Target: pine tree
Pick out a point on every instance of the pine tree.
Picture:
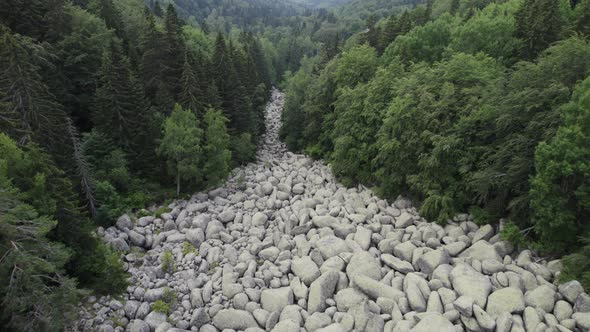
(538, 24)
(373, 32)
(112, 17)
(582, 23)
(217, 154)
(36, 295)
(151, 60)
(388, 34)
(191, 96)
(33, 113)
(454, 7)
(158, 9)
(120, 105)
(173, 51)
(181, 145)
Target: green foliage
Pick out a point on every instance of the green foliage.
(106, 276)
(181, 145)
(425, 43)
(577, 265)
(188, 248)
(243, 149)
(491, 31)
(36, 294)
(168, 262)
(169, 296)
(293, 116)
(217, 150)
(164, 209)
(538, 24)
(161, 306)
(560, 190)
(356, 66)
(438, 207)
(513, 234)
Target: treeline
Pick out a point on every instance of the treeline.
(475, 106)
(103, 106)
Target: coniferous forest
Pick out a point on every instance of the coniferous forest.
(113, 107)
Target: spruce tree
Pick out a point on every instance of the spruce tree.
(217, 153)
(454, 7)
(538, 24)
(191, 96)
(582, 23)
(120, 108)
(33, 113)
(36, 294)
(150, 65)
(173, 51)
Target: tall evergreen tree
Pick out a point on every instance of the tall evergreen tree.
(191, 97)
(173, 51)
(582, 23)
(120, 107)
(151, 66)
(538, 24)
(32, 112)
(454, 7)
(112, 17)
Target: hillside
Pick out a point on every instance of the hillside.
(237, 165)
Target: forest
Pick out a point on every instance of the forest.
(112, 106)
(478, 106)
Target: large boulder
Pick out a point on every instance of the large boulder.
(234, 319)
(276, 299)
(434, 322)
(397, 264)
(404, 220)
(542, 297)
(363, 263)
(154, 319)
(375, 289)
(432, 259)
(322, 289)
(331, 246)
(466, 281)
(508, 299)
(481, 251)
(305, 269)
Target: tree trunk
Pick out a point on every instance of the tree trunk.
(178, 184)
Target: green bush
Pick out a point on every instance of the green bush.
(161, 306)
(188, 247)
(243, 149)
(168, 263)
(577, 265)
(161, 210)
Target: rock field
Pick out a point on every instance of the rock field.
(282, 246)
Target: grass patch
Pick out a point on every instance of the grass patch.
(188, 248)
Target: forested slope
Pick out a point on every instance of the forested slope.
(111, 106)
(463, 106)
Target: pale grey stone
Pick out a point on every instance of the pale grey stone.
(234, 319)
(276, 299)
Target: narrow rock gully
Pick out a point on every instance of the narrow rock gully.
(282, 246)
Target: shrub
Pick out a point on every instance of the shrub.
(168, 263)
(161, 306)
(243, 149)
(188, 247)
